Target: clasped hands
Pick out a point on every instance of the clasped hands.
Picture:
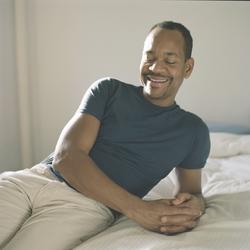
(171, 216)
(193, 207)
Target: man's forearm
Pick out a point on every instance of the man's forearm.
(82, 173)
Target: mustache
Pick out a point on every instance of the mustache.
(153, 74)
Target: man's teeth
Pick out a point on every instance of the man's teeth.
(163, 80)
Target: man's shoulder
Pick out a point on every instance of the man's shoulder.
(110, 81)
(111, 86)
(194, 121)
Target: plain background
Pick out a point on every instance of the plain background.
(50, 57)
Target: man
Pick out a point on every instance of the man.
(120, 143)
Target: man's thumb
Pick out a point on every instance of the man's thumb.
(180, 198)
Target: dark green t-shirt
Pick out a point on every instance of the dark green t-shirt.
(139, 143)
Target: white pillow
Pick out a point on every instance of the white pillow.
(228, 144)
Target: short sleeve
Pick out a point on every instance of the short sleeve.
(96, 97)
(199, 150)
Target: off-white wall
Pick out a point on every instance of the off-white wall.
(9, 137)
(74, 42)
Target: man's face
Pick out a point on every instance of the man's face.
(163, 66)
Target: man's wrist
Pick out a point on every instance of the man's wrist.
(202, 201)
(131, 207)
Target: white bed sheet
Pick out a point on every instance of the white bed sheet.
(226, 223)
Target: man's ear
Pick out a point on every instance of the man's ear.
(189, 65)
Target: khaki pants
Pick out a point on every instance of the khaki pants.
(38, 212)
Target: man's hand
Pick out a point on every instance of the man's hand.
(164, 217)
(192, 201)
(186, 200)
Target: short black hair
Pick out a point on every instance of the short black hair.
(170, 25)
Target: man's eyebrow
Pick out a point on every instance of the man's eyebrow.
(171, 54)
(168, 53)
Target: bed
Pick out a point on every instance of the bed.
(226, 223)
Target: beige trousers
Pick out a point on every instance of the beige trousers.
(38, 212)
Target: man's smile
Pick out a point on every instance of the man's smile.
(157, 81)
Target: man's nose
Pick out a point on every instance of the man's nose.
(157, 67)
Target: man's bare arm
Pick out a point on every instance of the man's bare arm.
(190, 183)
(189, 196)
(73, 162)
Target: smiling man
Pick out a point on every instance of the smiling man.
(166, 61)
(120, 143)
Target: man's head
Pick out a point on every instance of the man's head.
(188, 40)
(166, 61)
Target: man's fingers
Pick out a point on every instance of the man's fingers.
(183, 211)
(171, 230)
(178, 220)
(174, 229)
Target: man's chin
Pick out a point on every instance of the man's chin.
(154, 96)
